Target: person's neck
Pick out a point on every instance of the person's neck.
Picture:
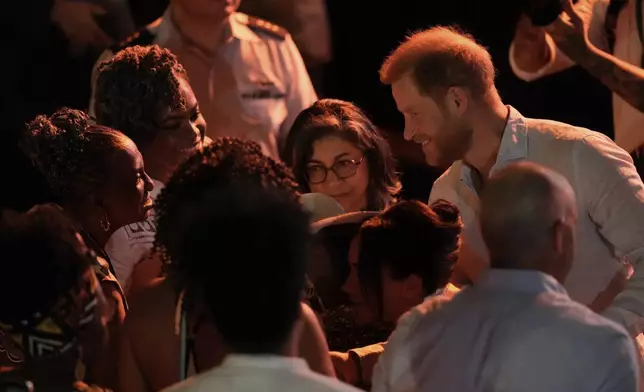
(99, 236)
(289, 349)
(292, 347)
(207, 35)
(92, 227)
(489, 121)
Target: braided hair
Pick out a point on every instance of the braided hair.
(134, 87)
(72, 154)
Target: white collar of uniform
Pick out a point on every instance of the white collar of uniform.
(237, 28)
(268, 362)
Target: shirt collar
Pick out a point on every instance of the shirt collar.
(236, 28)
(239, 28)
(514, 142)
(513, 147)
(526, 281)
(271, 362)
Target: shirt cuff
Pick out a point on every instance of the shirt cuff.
(531, 76)
(367, 357)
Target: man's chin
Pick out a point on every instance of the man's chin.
(438, 163)
(431, 161)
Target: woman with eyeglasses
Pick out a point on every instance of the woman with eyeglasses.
(334, 149)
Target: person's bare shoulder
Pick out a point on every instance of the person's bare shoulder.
(151, 307)
(150, 330)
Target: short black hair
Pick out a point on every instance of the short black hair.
(334, 117)
(43, 258)
(71, 153)
(134, 87)
(245, 249)
(410, 238)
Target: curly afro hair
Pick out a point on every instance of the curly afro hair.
(72, 154)
(225, 162)
(135, 87)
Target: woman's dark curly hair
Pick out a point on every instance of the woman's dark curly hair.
(410, 238)
(135, 87)
(224, 162)
(333, 117)
(71, 153)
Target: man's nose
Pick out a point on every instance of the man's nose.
(408, 133)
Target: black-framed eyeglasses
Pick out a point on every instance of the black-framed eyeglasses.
(343, 169)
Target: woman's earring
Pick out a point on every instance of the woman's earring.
(105, 222)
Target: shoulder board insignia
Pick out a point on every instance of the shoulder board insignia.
(143, 37)
(266, 27)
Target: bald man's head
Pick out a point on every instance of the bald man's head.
(528, 217)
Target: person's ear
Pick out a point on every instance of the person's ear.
(456, 100)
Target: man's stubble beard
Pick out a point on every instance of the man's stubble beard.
(454, 145)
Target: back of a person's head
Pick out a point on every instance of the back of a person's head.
(135, 88)
(72, 154)
(224, 162)
(244, 248)
(411, 238)
(344, 120)
(439, 58)
(521, 206)
(43, 261)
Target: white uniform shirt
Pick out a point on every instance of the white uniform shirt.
(127, 245)
(511, 331)
(628, 121)
(252, 88)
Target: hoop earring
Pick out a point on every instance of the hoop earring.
(105, 223)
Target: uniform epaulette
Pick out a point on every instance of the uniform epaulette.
(143, 37)
(266, 27)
